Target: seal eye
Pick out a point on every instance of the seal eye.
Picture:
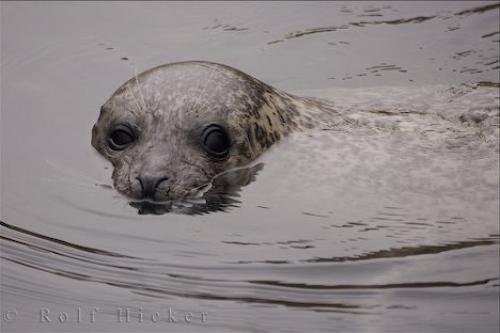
(215, 141)
(121, 137)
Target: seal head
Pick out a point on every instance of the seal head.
(170, 130)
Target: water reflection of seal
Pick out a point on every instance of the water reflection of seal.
(171, 129)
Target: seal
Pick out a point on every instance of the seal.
(171, 129)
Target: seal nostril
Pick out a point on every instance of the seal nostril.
(149, 184)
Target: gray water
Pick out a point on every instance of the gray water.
(391, 224)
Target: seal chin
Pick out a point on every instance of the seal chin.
(181, 194)
(148, 207)
(161, 205)
(170, 195)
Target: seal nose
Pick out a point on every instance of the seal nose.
(149, 184)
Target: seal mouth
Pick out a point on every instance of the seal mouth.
(193, 197)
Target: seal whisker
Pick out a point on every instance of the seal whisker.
(139, 87)
(197, 101)
(136, 101)
(209, 178)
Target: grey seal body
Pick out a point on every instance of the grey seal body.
(153, 129)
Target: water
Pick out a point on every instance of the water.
(391, 225)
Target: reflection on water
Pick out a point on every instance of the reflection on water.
(385, 223)
(89, 264)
